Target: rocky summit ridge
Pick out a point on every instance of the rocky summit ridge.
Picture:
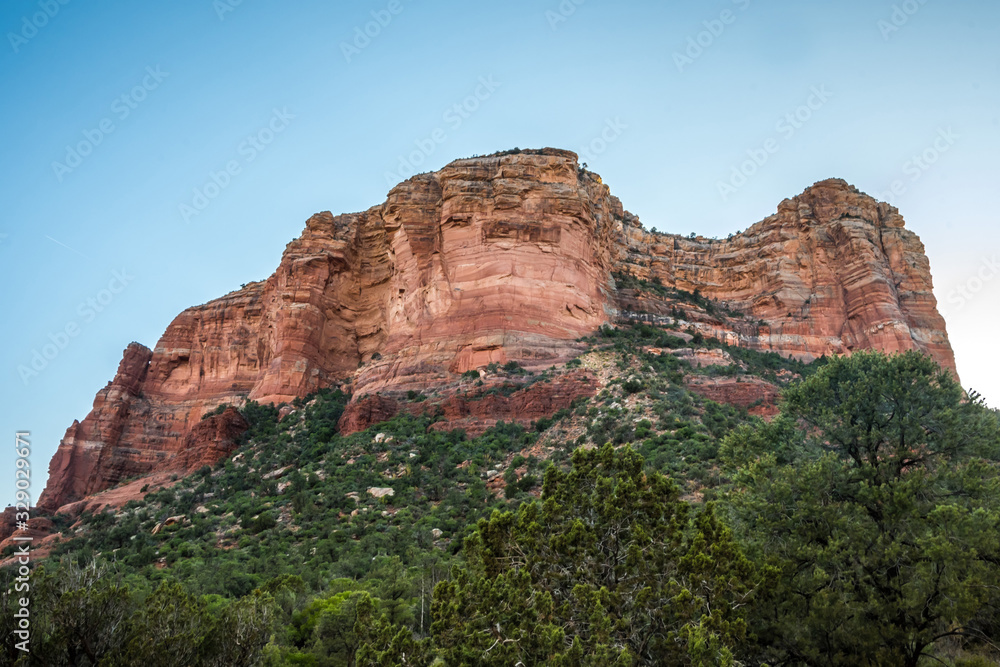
(508, 257)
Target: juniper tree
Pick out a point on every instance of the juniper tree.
(876, 496)
(610, 567)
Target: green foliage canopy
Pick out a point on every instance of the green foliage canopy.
(882, 515)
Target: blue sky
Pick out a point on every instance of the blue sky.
(116, 115)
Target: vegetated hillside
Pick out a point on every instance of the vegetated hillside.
(391, 505)
(410, 542)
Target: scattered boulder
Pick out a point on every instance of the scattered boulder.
(180, 519)
(275, 474)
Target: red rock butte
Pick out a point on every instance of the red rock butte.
(490, 259)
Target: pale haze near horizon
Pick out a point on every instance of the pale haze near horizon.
(879, 93)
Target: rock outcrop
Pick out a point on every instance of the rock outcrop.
(127, 435)
(832, 271)
(367, 411)
(491, 259)
(759, 396)
(479, 409)
(477, 413)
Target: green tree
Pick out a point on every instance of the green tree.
(79, 616)
(881, 515)
(85, 616)
(383, 643)
(169, 630)
(241, 632)
(323, 631)
(608, 569)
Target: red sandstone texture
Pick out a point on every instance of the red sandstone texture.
(831, 272)
(213, 439)
(506, 257)
(475, 414)
(35, 528)
(118, 496)
(745, 392)
(118, 441)
(363, 413)
(477, 411)
(39, 529)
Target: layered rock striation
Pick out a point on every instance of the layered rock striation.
(832, 271)
(476, 410)
(492, 259)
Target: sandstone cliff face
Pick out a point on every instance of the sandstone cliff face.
(89, 450)
(507, 257)
(128, 435)
(832, 271)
